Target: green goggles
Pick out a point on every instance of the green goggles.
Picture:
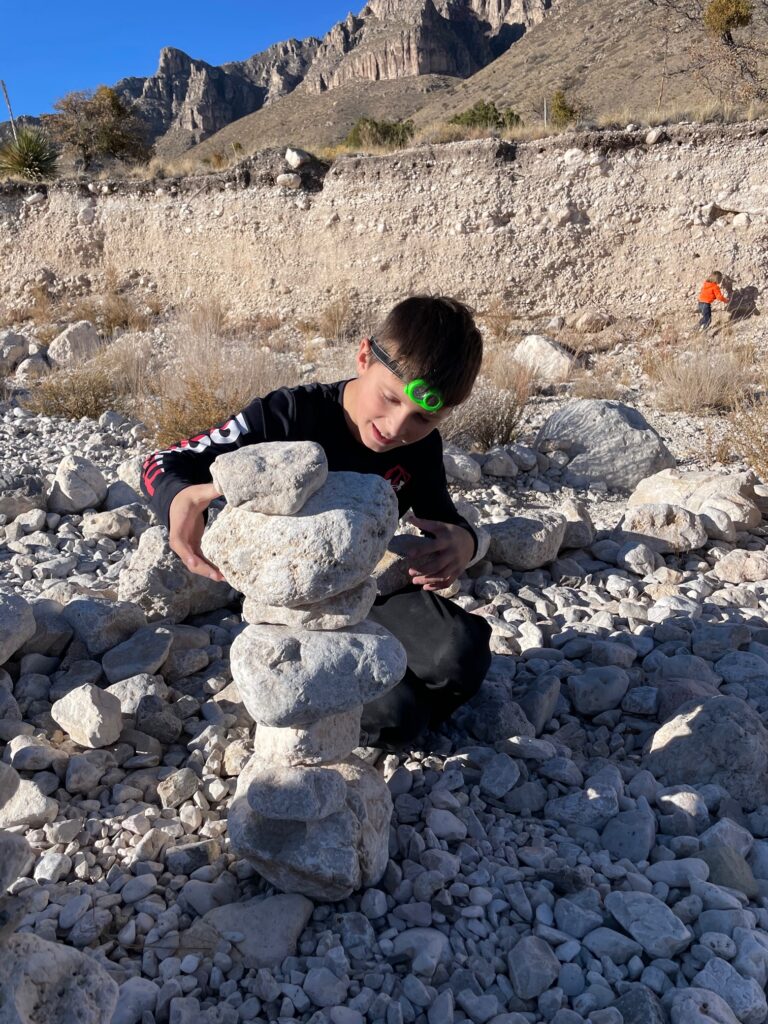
(419, 391)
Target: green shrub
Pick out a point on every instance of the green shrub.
(98, 124)
(561, 111)
(367, 132)
(487, 115)
(30, 155)
(721, 17)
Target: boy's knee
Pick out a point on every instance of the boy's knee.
(466, 655)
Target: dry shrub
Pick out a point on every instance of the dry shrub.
(113, 311)
(747, 435)
(37, 306)
(497, 320)
(592, 383)
(336, 322)
(705, 377)
(491, 415)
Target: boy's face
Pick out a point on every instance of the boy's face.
(382, 415)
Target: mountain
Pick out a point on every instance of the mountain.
(188, 100)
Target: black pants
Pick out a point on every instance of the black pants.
(705, 314)
(448, 657)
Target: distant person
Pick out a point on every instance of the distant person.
(710, 292)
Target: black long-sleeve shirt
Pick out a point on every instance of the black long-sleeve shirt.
(312, 412)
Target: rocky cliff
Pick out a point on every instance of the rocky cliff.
(187, 100)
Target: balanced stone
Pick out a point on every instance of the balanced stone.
(298, 793)
(276, 477)
(323, 742)
(330, 546)
(327, 859)
(337, 612)
(295, 678)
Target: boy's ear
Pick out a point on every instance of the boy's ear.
(364, 357)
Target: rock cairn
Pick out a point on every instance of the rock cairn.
(301, 544)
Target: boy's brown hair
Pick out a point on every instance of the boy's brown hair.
(435, 338)
(715, 277)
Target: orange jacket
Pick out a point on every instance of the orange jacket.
(711, 293)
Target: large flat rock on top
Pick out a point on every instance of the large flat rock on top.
(274, 477)
(330, 546)
(607, 442)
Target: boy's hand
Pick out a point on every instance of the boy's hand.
(437, 561)
(186, 525)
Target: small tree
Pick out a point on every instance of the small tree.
(721, 17)
(367, 131)
(485, 114)
(561, 111)
(31, 155)
(98, 124)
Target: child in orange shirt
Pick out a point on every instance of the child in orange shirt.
(710, 292)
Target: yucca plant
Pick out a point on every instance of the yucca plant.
(31, 155)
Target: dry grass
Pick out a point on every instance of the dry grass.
(114, 311)
(702, 113)
(497, 319)
(592, 383)
(713, 373)
(491, 415)
(746, 436)
(336, 322)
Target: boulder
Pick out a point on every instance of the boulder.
(323, 742)
(295, 677)
(15, 855)
(295, 793)
(721, 740)
(740, 566)
(324, 860)
(330, 546)
(275, 478)
(13, 349)
(17, 625)
(544, 357)
(650, 922)
(78, 485)
(663, 528)
(527, 541)
(606, 442)
(75, 344)
(697, 491)
(158, 582)
(49, 983)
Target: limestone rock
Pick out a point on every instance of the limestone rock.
(78, 484)
(323, 742)
(101, 624)
(740, 566)
(17, 625)
(295, 794)
(270, 927)
(337, 612)
(21, 492)
(327, 859)
(291, 677)
(13, 349)
(48, 983)
(91, 716)
(663, 528)
(275, 478)
(533, 967)
(158, 582)
(579, 531)
(701, 1005)
(544, 357)
(650, 922)
(527, 541)
(142, 653)
(700, 491)
(15, 854)
(330, 546)
(719, 741)
(607, 442)
(75, 344)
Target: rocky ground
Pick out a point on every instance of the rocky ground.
(586, 841)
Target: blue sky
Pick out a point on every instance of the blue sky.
(55, 46)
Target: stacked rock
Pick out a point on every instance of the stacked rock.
(301, 544)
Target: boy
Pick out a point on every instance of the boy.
(422, 361)
(710, 292)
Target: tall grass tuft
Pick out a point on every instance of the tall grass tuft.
(30, 155)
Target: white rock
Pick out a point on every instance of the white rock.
(337, 612)
(544, 357)
(75, 344)
(323, 742)
(78, 485)
(90, 715)
(275, 478)
(17, 625)
(527, 541)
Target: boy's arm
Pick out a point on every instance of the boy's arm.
(177, 480)
(453, 542)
